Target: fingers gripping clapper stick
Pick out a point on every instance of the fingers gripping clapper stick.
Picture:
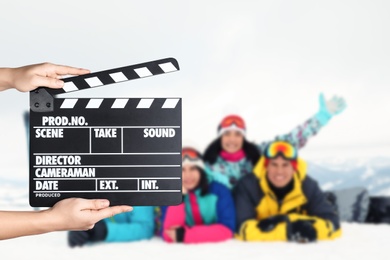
(127, 150)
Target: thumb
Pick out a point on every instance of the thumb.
(322, 99)
(96, 204)
(112, 211)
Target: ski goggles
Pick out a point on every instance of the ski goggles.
(281, 148)
(232, 120)
(231, 123)
(191, 157)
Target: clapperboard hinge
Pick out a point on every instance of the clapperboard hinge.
(42, 99)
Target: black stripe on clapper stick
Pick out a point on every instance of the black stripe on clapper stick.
(42, 99)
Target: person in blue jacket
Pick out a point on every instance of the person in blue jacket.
(125, 227)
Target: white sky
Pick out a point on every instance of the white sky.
(265, 60)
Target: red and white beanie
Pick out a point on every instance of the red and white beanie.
(232, 122)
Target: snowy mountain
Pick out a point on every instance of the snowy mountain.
(333, 174)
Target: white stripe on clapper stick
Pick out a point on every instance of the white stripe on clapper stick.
(69, 86)
(118, 77)
(120, 103)
(69, 103)
(170, 103)
(167, 67)
(143, 72)
(93, 82)
(94, 103)
(145, 103)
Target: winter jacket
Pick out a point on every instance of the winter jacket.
(207, 218)
(131, 226)
(228, 173)
(256, 201)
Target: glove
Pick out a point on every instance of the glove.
(302, 231)
(180, 233)
(80, 238)
(77, 238)
(329, 108)
(98, 232)
(268, 224)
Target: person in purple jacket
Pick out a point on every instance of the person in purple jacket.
(207, 213)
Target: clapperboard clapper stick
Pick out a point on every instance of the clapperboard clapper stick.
(127, 150)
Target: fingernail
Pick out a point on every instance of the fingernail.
(127, 209)
(60, 83)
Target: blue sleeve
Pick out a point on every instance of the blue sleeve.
(135, 225)
(163, 212)
(226, 213)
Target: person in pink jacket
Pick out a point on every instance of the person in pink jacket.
(207, 213)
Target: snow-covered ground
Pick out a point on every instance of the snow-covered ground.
(359, 241)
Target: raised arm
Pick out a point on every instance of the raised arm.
(303, 132)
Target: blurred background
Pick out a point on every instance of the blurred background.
(267, 61)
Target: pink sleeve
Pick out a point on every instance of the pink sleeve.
(207, 233)
(175, 217)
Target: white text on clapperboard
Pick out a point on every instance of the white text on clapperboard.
(65, 166)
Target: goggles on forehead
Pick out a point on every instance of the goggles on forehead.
(281, 148)
(191, 157)
(190, 153)
(233, 120)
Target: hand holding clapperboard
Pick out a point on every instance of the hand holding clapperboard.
(126, 150)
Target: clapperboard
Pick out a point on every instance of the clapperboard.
(127, 150)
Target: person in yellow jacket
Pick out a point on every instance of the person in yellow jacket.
(280, 202)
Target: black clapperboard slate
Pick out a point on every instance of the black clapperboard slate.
(126, 150)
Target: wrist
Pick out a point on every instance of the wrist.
(6, 78)
(43, 222)
(323, 117)
(50, 222)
